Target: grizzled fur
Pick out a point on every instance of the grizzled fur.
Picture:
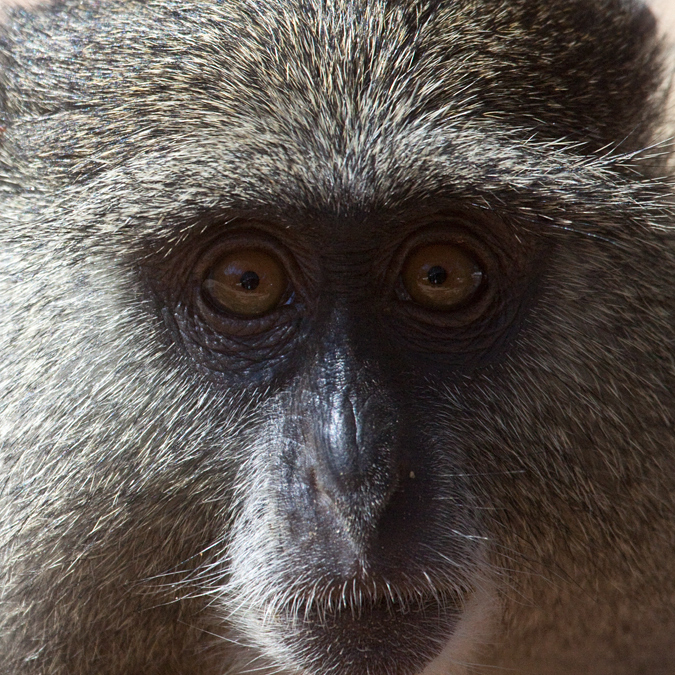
(143, 518)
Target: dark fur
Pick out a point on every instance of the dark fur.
(154, 510)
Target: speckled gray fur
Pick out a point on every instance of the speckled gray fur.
(137, 530)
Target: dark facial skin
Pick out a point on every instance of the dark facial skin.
(353, 368)
(354, 371)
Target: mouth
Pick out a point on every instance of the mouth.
(382, 628)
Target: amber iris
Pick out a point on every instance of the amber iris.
(248, 282)
(441, 276)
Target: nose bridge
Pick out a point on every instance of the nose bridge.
(354, 421)
(348, 435)
(341, 378)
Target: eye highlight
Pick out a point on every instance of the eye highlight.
(249, 282)
(441, 276)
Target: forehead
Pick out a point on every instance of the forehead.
(337, 63)
(329, 106)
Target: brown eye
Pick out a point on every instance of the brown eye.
(441, 276)
(249, 282)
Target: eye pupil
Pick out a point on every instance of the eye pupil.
(437, 275)
(249, 280)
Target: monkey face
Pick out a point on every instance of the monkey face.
(329, 328)
(357, 342)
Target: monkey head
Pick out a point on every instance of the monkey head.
(336, 338)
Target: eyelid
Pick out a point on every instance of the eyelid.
(442, 231)
(295, 304)
(243, 237)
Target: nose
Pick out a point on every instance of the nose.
(352, 446)
(344, 454)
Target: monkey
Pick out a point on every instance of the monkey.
(336, 338)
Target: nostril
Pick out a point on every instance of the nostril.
(355, 499)
(312, 481)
